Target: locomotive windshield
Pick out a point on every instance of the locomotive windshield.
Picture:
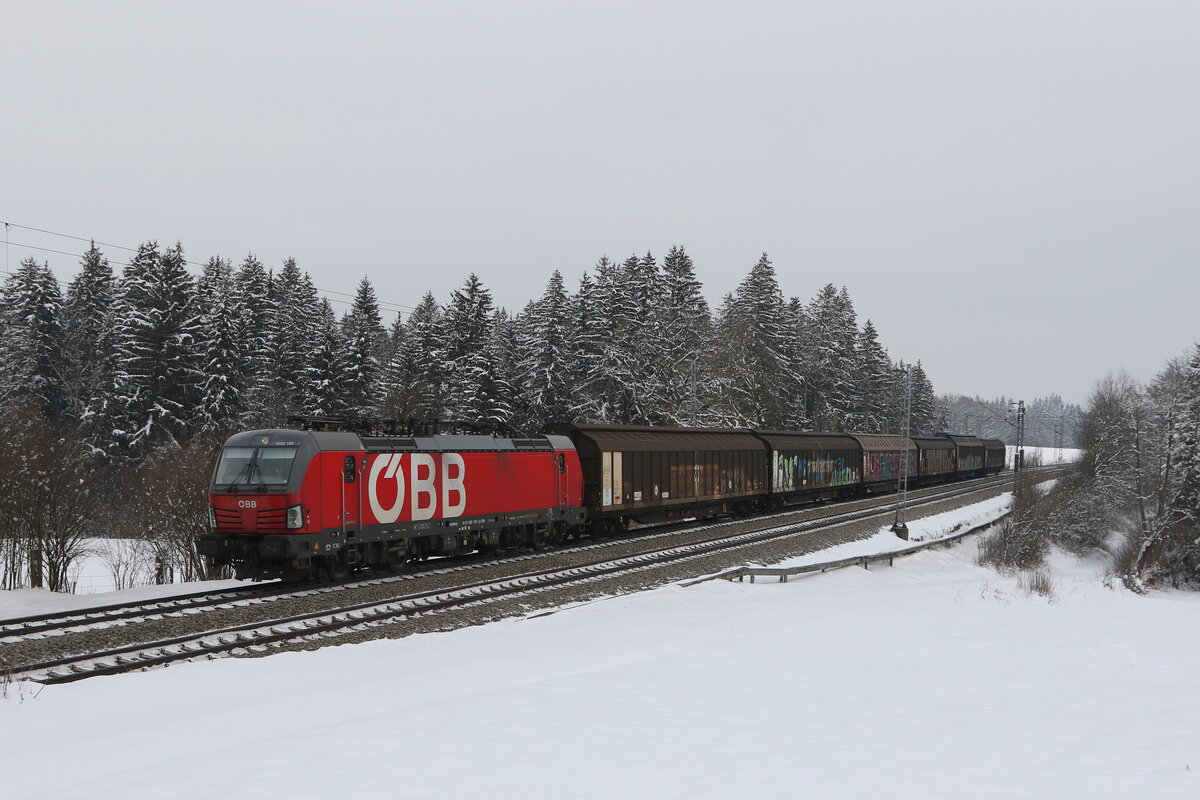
(254, 466)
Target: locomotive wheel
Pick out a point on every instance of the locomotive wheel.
(336, 569)
(397, 560)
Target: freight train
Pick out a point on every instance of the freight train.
(324, 499)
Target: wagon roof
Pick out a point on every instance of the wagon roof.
(644, 438)
(933, 443)
(874, 442)
(964, 441)
(792, 440)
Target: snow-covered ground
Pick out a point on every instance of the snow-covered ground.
(27, 602)
(936, 678)
(94, 586)
(1049, 455)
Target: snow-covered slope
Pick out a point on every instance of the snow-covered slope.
(935, 678)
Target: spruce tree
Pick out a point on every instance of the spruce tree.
(87, 333)
(420, 368)
(389, 371)
(222, 348)
(474, 391)
(586, 337)
(363, 338)
(256, 304)
(31, 347)
(872, 381)
(543, 356)
(753, 336)
(156, 385)
(924, 412)
(289, 340)
(685, 336)
(324, 393)
(830, 346)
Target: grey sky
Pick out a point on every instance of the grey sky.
(1022, 176)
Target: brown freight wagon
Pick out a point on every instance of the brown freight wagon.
(882, 464)
(993, 456)
(649, 474)
(938, 459)
(970, 454)
(812, 466)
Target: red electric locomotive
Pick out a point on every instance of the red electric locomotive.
(300, 504)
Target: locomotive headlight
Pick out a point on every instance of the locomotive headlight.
(295, 518)
(212, 518)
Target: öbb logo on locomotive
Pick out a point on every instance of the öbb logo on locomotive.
(387, 483)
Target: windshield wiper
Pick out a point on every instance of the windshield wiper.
(262, 486)
(252, 464)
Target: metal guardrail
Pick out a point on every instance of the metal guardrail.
(783, 573)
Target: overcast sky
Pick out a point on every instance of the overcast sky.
(1009, 190)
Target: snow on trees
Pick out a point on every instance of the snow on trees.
(291, 337)
(363, 338)
(685, 332)
(475, 388)
(157, 359)
(753, 342)
(543, 344)
(87, 333)
(223, 350)
(31, 348)
(418, 369)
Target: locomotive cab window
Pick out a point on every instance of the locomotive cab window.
(254, 466)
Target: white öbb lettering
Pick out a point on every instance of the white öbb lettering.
(422, 484)
(247, 504)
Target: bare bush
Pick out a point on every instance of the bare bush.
(1037, 582)
(128, 561)
(171, 509)
(46, 492)
(1014, 546)
(1020, 542)
(1124, 559)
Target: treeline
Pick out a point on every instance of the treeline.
(115, 393)
(1049, 422)
(1136, 493)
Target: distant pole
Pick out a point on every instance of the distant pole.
(899, 527)
(1020, 435)
(1058, 438)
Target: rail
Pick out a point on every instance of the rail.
(783, 573)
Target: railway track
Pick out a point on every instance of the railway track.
(21, 629)
(262, 635)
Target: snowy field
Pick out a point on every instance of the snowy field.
(1049, 455)
(934, 678)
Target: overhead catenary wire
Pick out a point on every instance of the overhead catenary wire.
(397, 307)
